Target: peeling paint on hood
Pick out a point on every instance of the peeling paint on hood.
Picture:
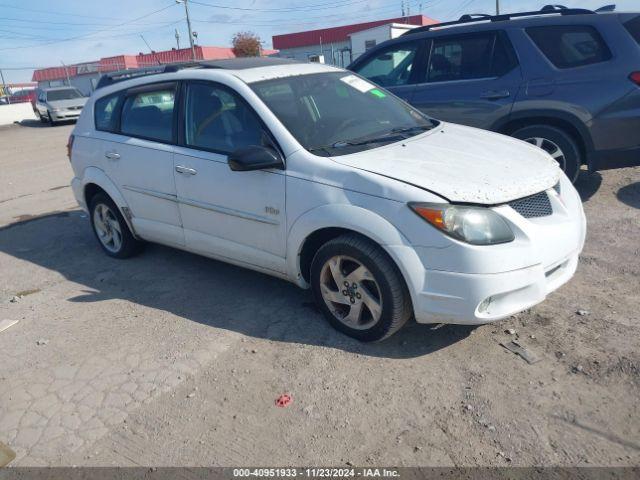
(463, 164)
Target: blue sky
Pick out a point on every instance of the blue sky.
(42, 33)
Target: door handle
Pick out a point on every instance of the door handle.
(186, 170)
(112, 155)
(495, 94)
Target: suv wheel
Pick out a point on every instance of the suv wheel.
(557, 143)
(359, 289)
(110, 228)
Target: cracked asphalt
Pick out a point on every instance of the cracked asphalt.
(171, 359)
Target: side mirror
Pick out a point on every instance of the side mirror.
(254, 158)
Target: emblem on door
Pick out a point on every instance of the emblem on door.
(271, 210)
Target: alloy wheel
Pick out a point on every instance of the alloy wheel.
(107, 227)
(351, 292)
(551, 148)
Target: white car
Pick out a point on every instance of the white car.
(312, 174)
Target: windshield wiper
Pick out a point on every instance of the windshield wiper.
(386, 137)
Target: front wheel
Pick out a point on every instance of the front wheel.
(110, 228)
(557, 143)
(359, 289)
(50, 119)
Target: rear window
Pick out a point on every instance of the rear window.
(569, 46)
(105, 112)
(633, 26)
(149, 115)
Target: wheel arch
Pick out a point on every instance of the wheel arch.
(96, 181)
(316, 227)
(566, 122)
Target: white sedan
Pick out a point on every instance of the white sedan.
(313, 174)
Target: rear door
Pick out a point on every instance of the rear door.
(138, 142)
(470, 79)
(394, 68)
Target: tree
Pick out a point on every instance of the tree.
(246, 44)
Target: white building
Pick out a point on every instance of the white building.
(337, 44)
(365, 39)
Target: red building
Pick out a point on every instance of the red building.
(85, 76)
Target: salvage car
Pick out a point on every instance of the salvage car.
(313, 174)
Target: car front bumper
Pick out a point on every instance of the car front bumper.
(466, 284)
(63, 115)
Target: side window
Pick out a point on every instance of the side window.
(215, 119)
(633, 26)
(461, 58)
(390, 67)
(105, 112)
(568, 46)
(149, 115)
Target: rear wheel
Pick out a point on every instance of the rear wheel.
(359, 289)
(557, 143)
(110, 228)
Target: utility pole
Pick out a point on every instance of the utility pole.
(178, 38)
(186, 9)
(4, 88)
(66, 72)
(497, 7)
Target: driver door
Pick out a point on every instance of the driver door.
(236, 216)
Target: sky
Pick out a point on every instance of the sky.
(44, 33)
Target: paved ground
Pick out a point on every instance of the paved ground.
(173, 359)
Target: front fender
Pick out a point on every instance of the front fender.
(359, 220)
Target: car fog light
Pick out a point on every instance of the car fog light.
(484, 306)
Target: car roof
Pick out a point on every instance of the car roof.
(250, 69)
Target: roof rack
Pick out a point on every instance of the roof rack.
(476, 18)
(110, 78)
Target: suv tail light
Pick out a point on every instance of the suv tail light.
(69, 146)
(635, 78)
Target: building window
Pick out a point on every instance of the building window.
(368, 44)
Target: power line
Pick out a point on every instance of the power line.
(90, 33)
(51, 12)
(305, 8)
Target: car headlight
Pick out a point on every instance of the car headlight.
(56, 109)
(474, 225)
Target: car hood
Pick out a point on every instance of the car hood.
(463, 164)
(74, 102)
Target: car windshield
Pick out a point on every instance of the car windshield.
(66, 94)
(337, 113)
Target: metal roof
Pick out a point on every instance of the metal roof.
(339, 34)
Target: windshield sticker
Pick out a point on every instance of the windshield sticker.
(357, 83)
(378, 93)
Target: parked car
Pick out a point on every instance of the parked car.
(566, 80)
(59, 104)
(312, 174)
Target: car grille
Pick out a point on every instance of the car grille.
(535, 206)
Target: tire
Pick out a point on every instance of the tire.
(380, 285)
(554, 139)
(39, 115)
(50, 119)
(115, 238)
